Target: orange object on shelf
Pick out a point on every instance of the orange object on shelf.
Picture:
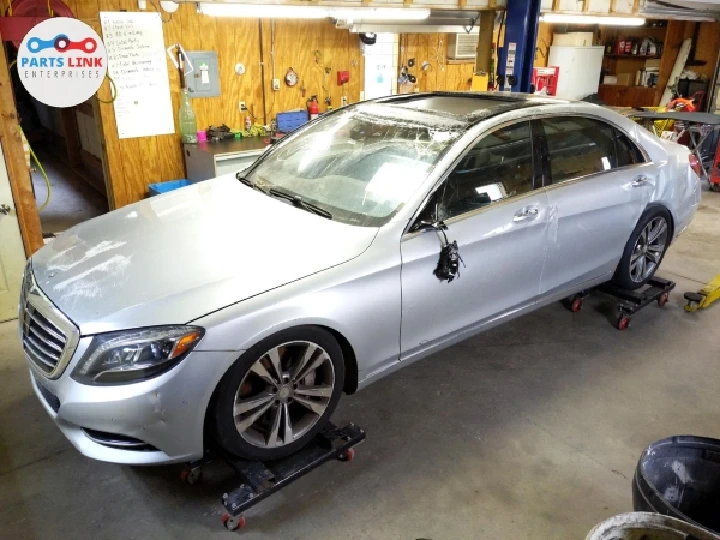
(681, 104)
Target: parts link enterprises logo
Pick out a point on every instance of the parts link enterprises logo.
(62, 62)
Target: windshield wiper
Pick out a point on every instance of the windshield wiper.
(299, 203)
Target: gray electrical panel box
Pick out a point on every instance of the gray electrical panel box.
(203, 80)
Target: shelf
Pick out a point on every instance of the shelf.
(633, 56)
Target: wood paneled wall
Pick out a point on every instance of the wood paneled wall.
(311, 47)
(542, 46)
(133, 164)
(442, 75)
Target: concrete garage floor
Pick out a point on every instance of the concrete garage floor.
(531, 430)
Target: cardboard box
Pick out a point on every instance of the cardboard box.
(626, 79)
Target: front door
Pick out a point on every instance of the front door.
(600, 187)
(12, 255)
(491, 208)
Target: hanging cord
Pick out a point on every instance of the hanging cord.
(160, 12)
(42, 171)
(113, 90)
(50, 10)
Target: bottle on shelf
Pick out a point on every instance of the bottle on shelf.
(188, 121)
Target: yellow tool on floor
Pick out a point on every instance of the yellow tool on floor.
(704, 297)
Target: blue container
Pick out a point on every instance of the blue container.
(291, 120)
(164, 187)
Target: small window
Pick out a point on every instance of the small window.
(627, 152)
(578, 146)
(498, 167)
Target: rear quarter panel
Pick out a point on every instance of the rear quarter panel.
(678, 187)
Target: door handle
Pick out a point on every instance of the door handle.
(4, 209)
(640, 181)
(527, 213)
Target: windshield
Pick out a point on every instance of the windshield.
(357, 166)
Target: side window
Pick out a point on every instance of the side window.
(499, 166)
(627, 152)
(578, 146)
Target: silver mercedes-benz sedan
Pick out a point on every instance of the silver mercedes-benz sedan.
(237, 310)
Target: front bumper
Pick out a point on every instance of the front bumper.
(167, 413)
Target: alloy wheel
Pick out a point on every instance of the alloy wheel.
(284, 394)
(649, 249)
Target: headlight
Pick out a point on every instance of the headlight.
(132, 355)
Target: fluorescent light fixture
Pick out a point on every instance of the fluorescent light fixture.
(281, 11)
(262, 11)
(561, 18)
(380, 14)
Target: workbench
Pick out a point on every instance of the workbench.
(207, 160)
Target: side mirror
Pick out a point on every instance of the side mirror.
(429, 225)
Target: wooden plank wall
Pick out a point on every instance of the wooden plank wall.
(542, 47)
(433, 49)
(133, 164)
(311, 47)
(708, 46)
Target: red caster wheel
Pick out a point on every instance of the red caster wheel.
(348, 456)
(191, 476)
(233, 523)
(622, 323)
(662, 300)
(576, 305)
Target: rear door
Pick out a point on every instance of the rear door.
(599, 185)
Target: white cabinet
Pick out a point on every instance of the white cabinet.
(579, 70)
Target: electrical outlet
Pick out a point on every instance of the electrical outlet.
(344, 101)
(276, 84)
(242, 106)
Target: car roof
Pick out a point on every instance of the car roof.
(467, 107)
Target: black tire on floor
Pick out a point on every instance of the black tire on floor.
(622, 273)
(227, 435)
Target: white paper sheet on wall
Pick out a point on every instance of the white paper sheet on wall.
(137, 64)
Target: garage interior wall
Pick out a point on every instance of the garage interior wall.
(708, 45)
(306, 46)
(443, 74)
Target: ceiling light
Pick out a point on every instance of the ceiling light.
(380, 14)
(560, 18)
(260, 11)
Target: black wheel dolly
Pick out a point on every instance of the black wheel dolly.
(629, 302)
(259, 480)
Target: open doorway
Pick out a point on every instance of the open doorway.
(67, 176)
(381, 66)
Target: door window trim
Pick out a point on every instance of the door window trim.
(610, 123)
(431, 193)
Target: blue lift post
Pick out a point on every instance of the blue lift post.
(516, 57)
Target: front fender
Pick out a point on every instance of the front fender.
(362, 303)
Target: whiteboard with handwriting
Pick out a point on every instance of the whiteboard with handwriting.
(137, 64)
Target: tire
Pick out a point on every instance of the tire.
(628, 275)
(252, 386)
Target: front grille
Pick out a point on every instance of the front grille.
(48, 337)
(43, 341)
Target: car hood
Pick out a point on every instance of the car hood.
(175, 257)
